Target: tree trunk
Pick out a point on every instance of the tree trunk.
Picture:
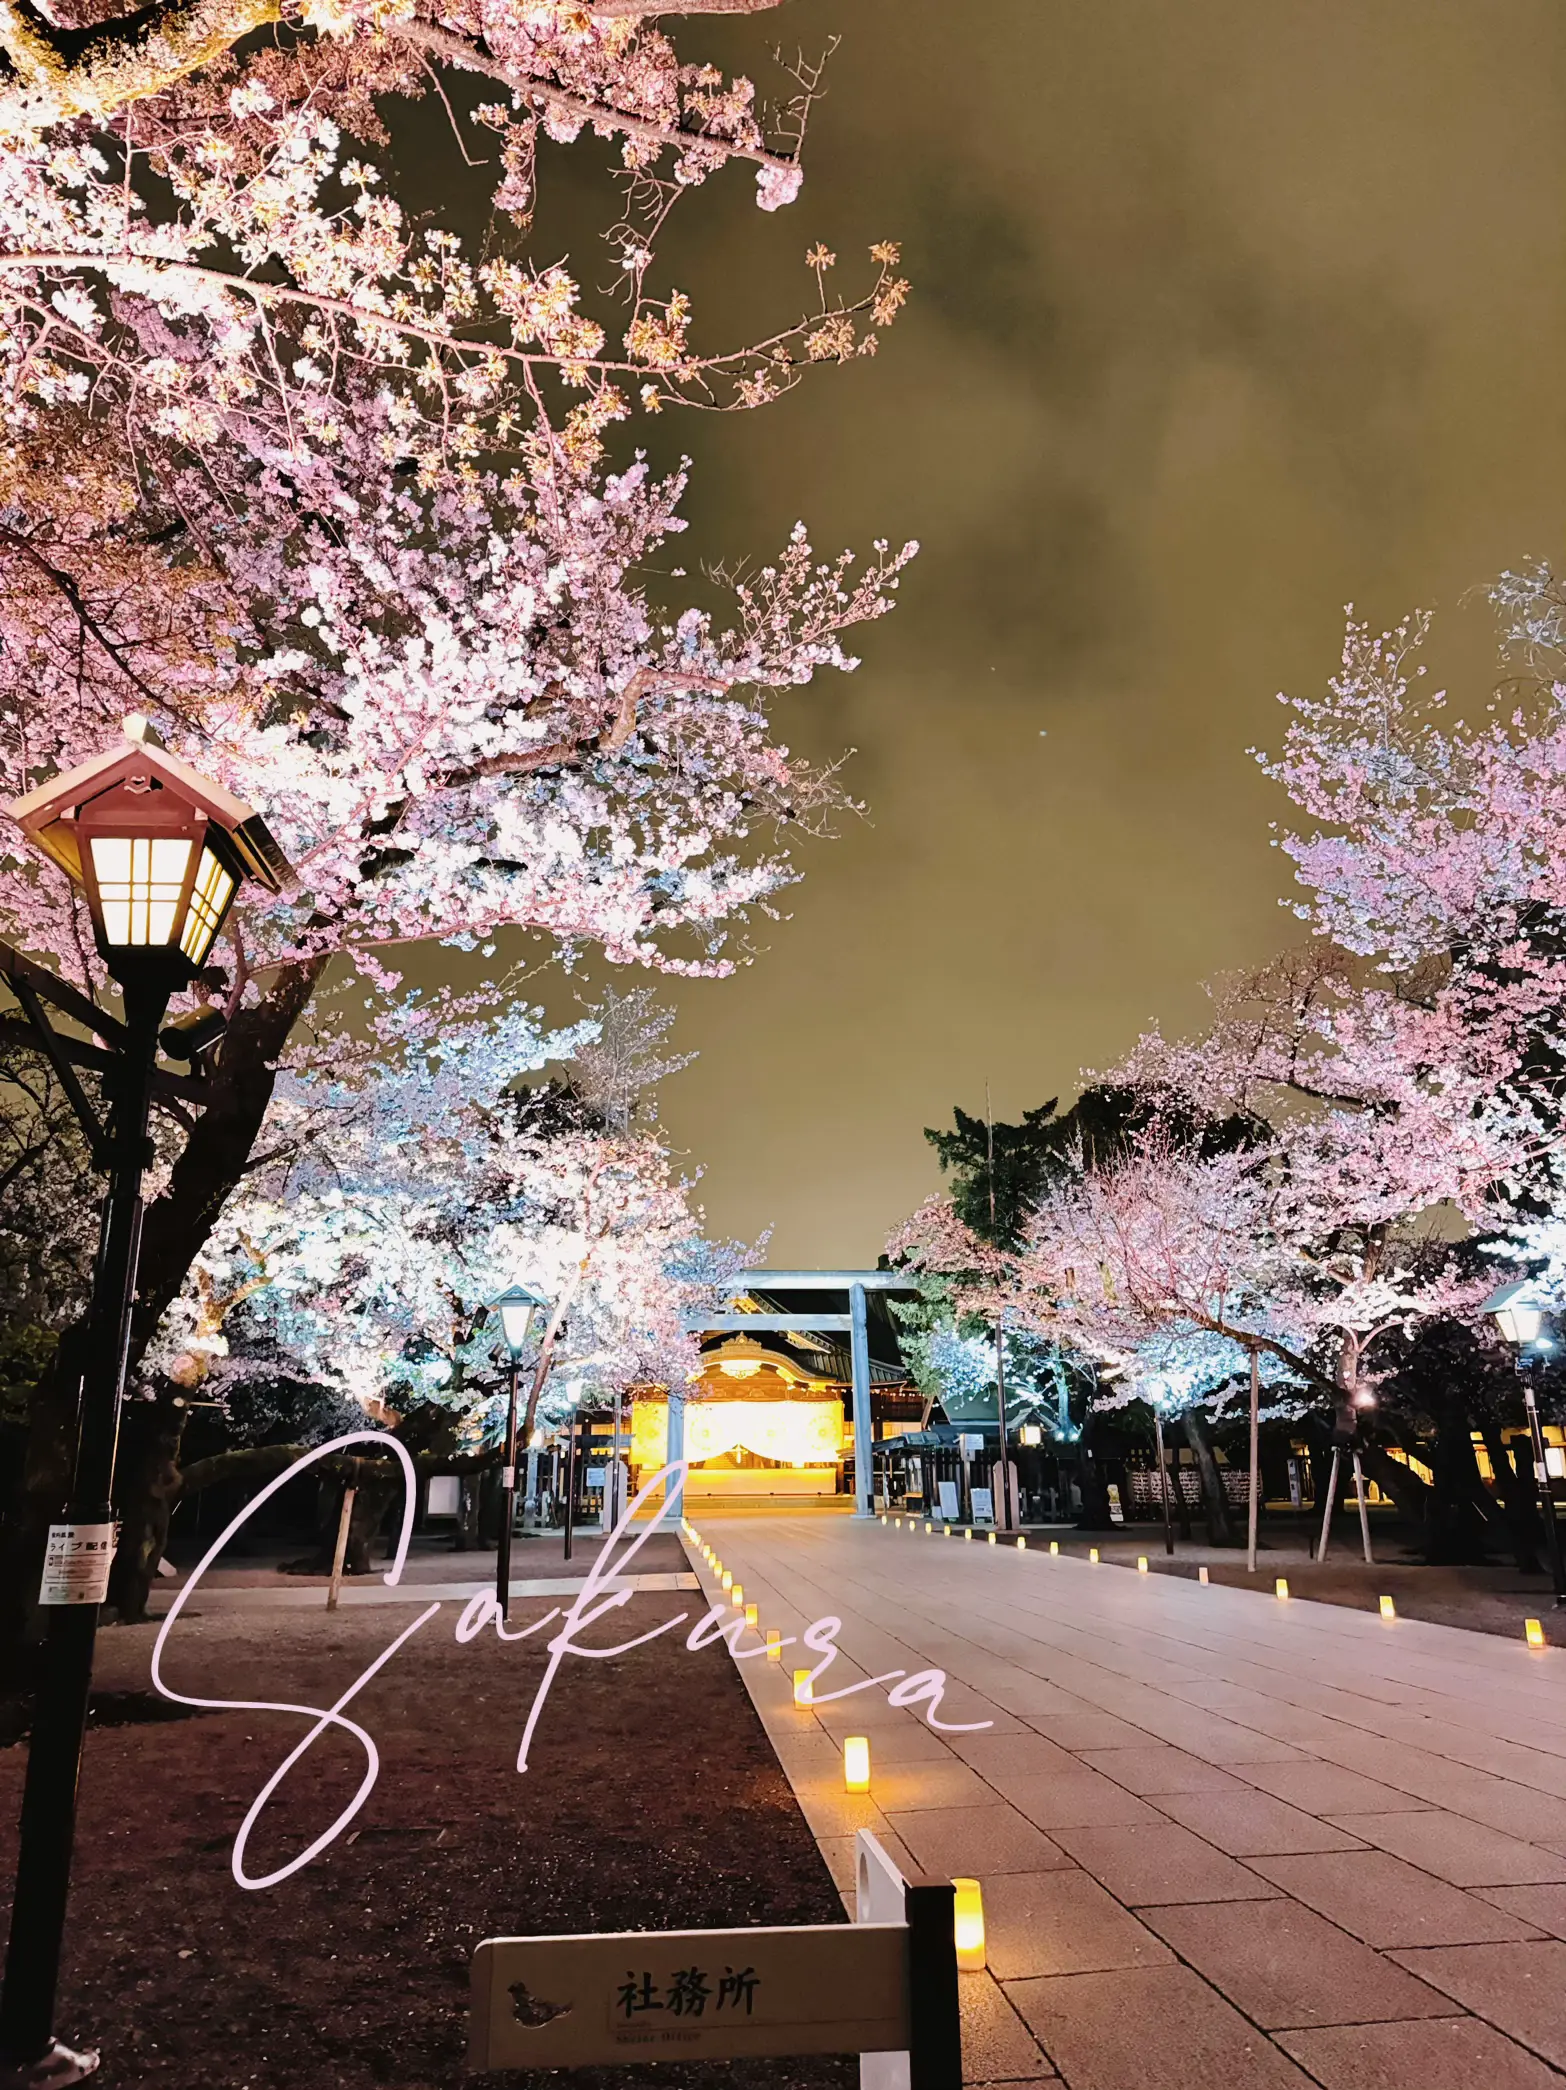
(1517, 1500)
(1415, 1500)
(176, 1226)
(147, 1485)
(1456, 1531)
(1220, 1531)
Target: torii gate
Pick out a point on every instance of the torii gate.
(854, 1324)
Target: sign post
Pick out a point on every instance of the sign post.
(884, 1988)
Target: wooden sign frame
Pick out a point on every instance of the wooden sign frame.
(885, 1989)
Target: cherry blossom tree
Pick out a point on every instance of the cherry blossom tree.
(399, 1196)
(330, 498)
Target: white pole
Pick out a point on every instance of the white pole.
(1326, 1515)
(1364, 1512)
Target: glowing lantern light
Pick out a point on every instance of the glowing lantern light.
(728, 1579)
(968, 1535)
(1093, 1555)
(1022, 1543)
(991, 1537)
(750, 1614)
(1282, 1588)
(1388, 1608)
(1141, 1563)
(158, 849)
(928, 1529)
(1534, 1631)
(856, 1763)
(968, 1917)
(1054, 1548)
(774, 1644)
(802, 1687)
(1201, 1574)
(737, 1596)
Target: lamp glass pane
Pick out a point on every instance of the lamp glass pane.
(209, 899)
(140, 881)
(514, 1319)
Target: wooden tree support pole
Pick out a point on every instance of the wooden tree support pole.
(344, 1520)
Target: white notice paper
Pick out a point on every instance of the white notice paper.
(1116, 1514)
(983, 1506)
(77, 1563)
(948, 1494)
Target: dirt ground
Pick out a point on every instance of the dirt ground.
(653, 1801)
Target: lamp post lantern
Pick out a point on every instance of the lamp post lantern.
(159, 852)
(1521, 1323)
(516, 1306)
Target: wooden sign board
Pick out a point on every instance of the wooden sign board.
(702, 1995)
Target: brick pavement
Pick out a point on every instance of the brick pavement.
(1222, 1839)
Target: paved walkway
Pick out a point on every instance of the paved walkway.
(1224, 1841)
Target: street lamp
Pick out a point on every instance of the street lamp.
(159, 853)
(1521, 1322)
(516, 1306)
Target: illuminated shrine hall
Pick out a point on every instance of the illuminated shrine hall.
(770, 1414)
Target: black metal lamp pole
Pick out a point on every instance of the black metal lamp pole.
(48, 1823)
(158, 852)
(1552, 1530)
(516, 1307)
(508, 1514)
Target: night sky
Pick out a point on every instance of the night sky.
(1223, 316)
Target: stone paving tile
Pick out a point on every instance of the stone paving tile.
(1545, 1906)
(832, 1812)
(1521, 1989)
(1161, 2028)
(1215, 1740)
(977, 1840)
(1158, 1769)
(1023, 1754)
(904, 1786)
(1459, 1850)
(1160, 1862)
(1285, 1965)
(997, 2046)
(1380, 1899)
(909, 1742)
(1450, 2053)
(1253, 1824)
(1074, 1799)
(1090, 1730)
(1326, 1788)
(1061, 1923)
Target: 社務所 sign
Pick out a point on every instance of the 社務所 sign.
(713, 1995)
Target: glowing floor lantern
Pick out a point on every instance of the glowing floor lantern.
(1054, 1548)
(968, 1913)
(1093, 1555)
(1141, 1563)
(774, 1644)
(1534, 1631)
(750, 1614)
(856, 1763)
(727, 1579)
(1022, 1542)
(802, 1687)
(990, 1536)
(1282, 1589)
(1388, 1608)
(1201, 1574)
(737, 1597)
